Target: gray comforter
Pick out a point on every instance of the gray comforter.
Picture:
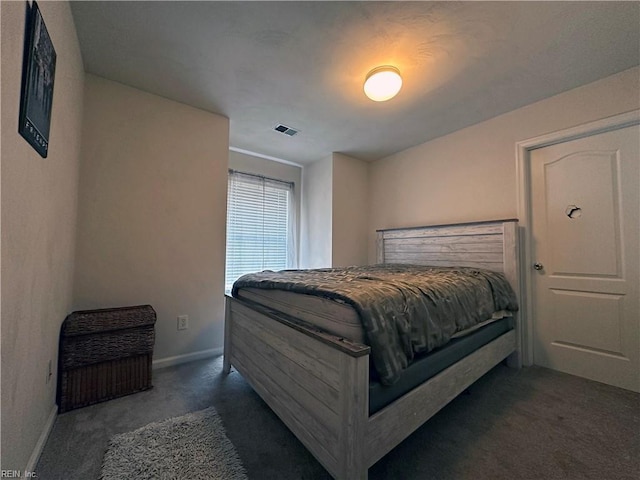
(405, 309)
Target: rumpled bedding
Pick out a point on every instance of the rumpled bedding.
(406, 310)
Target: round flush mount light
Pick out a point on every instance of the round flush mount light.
(382, 83)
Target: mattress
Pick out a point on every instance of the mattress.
(331, 315)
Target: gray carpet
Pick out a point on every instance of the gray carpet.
(524, 424)
(193, 446)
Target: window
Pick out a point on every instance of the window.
(260, 225)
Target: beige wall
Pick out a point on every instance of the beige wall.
(350, 208)
(272, 169)
(39, 204)
(335, 221)
(315, 234)
(470, 175)
(152, 213)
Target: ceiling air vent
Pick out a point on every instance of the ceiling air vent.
(285, 130)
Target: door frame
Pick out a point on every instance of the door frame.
(523, 189)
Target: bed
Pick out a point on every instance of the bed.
(319, 383)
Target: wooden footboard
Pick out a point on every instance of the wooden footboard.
(318, 385)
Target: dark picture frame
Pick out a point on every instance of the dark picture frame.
(38, 74)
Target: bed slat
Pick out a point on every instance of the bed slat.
(315, 387)
(445, 240)
(477, 257)
(289, 411)
(433, 247)
(320, 418)
(310, 355)
(493, 266)
(445, 231)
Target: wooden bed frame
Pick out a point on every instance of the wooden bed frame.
(318, 384)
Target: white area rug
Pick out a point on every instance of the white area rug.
(191, 447)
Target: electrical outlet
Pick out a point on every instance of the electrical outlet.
(183, 322)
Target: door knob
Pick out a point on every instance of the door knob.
(538, 266)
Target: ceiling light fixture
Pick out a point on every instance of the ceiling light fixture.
(382, 83)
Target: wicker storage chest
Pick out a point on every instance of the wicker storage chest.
(105, 354)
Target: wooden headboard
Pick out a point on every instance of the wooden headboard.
(492, 245)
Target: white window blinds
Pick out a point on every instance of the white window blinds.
(260, 225)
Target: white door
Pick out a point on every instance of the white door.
(585, 205)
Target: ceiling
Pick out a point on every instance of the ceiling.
(303, 64)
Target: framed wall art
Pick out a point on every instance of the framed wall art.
(38, 73)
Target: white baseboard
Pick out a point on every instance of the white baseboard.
(187, 357)
(37, 451)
